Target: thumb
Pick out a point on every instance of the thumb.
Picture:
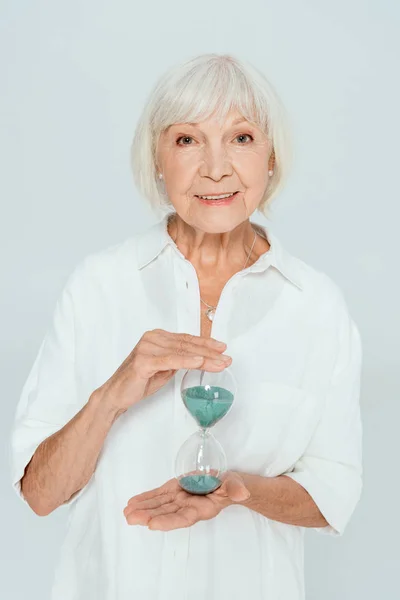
(233, 488)
(159, 379)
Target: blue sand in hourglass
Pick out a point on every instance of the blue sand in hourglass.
(200, 484)
(207, 404)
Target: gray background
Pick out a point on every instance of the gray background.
(74, 79)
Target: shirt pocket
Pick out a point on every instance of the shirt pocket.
(271, 427)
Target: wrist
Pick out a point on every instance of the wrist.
(100, 401)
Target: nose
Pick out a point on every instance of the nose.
(216, 163)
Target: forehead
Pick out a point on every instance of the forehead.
(233, 118)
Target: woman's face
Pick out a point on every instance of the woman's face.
(206, 159)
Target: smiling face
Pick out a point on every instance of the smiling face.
(209, 159)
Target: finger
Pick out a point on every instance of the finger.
(149, 347)
(174, 361)
(147, 495)
(136, 516)
(168, 489)
(147, 366)
(149, 503)
(185, 343)
(184, 517)
(171, 363)
(234, 489)
(198, 340)
(154, 496)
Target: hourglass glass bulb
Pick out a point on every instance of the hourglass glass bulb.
(201, 460)
(200, 463)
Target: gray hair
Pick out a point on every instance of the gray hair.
(225, 82)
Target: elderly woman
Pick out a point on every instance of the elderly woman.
(101, 419)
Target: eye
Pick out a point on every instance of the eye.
(242, 135)
(184, 137)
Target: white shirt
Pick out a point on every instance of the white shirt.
(296, 359)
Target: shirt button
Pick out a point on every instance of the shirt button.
(187, 285)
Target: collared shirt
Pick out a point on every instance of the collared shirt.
(296, 360)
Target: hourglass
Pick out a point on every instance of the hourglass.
(201, 462)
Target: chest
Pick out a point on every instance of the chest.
(276, 406)
(205, 323)
(210, 288)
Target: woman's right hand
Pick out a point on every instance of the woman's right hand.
(154, 360)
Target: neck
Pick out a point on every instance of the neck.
(227, 250)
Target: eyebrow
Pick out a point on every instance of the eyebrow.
(235, 122)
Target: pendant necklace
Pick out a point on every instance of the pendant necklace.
(210, 312)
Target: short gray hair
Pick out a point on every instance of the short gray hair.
(191, 92)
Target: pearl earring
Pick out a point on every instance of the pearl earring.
(160, 175)
(270, 173)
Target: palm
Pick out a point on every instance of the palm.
(170, 507)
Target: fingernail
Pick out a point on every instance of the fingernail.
(226, 358)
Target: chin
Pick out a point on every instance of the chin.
(218, 224)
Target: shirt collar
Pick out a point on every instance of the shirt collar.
(152, 241)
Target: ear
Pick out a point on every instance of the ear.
(271, 160)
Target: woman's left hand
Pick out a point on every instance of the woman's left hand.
(170, 507)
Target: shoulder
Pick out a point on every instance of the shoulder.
(317, 283)
(320, 291)
(328, 308)
(101, 263)
(99, 269)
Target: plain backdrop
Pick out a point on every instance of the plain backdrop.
(74, 79)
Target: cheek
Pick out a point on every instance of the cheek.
(176, 158)
(252, 170)
(180, 170)
(252, 158)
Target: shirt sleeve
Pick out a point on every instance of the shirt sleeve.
(331, 468)
(49, 397)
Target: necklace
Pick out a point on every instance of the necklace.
(210, 312)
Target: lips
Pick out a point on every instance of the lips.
(220, 202)
(217, 194)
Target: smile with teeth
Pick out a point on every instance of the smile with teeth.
(220, 197)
